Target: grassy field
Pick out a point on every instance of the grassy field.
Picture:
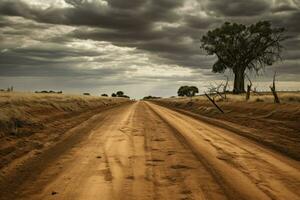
(29, 121)
(275, 125)
(29, 108)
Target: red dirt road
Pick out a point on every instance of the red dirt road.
(145, 151)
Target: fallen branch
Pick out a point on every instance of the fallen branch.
(214, 103)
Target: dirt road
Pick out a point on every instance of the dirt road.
(145, 151)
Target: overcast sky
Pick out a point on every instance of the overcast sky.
(139, 46)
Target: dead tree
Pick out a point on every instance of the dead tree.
(249, 86)
(273, 89)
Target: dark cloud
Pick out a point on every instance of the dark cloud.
(284, 8)
(167, 31)
(290, 21)
(289, 67)
(58, 71)
(15, 8)
(91, 13)
(133, 4)
(201, 22)
(237, 7)
(55, 62)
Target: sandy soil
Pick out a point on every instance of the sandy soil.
(145, 151)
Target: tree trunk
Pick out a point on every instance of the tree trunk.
(239, 82)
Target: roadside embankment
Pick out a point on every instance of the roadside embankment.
(31, 122)
(273, 125)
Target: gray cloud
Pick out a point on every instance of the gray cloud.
(39, 41)
(237, 7)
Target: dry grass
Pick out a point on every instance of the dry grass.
(28, 108)
(30, 122)
(19, 97)
(285, 97)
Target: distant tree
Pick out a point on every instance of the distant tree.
(104, 95)
(86, 94)
(151, 97)
(120, 93)
(239, 47)
(188, 91)
(183, 91)
(193, 91)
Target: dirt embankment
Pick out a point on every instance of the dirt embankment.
(276, 126)
(31, 122)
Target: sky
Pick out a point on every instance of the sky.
(142, 47)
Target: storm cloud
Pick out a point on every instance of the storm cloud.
(130, 41)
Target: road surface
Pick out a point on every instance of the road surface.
(145, 151)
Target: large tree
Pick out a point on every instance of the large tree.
(239, 47)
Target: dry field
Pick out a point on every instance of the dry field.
(274, 125)
(89, 148)
(30, 122)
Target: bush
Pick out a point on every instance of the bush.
(48, 92)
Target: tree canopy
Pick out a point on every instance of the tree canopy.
(120, 93)
(188, 91)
